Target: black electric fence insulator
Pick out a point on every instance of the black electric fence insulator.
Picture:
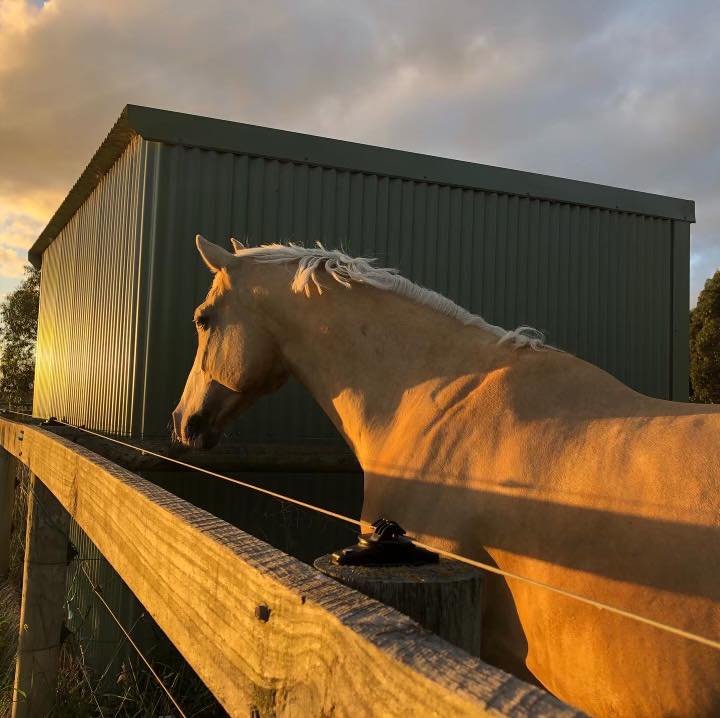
(386, 546)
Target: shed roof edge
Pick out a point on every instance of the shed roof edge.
(176, 128)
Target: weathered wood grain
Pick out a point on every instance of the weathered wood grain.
(444, 597)
(261, 629)
(42, 608)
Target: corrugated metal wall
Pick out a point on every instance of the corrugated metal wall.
(86, 346)
(120, 282)
(597, 281)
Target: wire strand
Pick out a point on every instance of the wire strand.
(37, 502)
(193, 467)
(132, 643)
(447, 554)
(576, 596)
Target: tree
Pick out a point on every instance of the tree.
(18, 333)
(705, 343)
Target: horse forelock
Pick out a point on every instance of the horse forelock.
(347, 270)
(220, 285)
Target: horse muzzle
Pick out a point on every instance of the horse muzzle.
(196, 431)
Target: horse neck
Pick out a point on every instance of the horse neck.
(360, 351)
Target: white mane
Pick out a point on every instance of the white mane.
(345, 270)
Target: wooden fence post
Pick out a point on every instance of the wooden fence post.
(444, 597)
(42, 610)
(8, 469)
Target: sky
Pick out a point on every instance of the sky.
(620, 93)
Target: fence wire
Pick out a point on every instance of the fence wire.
(96, 591)
(689, 635)
(78, 661)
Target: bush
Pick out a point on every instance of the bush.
(705, 343)
(18, 333)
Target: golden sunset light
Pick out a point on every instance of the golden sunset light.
(622, 94)
(359, 359)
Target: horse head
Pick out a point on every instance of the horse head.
(237, 360)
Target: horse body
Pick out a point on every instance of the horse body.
(617, 509)
(537, 462)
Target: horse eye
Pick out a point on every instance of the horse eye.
(202, 322)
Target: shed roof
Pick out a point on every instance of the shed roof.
(177, 128)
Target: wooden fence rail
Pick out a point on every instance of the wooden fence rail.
(315, 647)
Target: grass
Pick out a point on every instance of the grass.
(133, 691)
(125, 688)
(10, 591)
(9, 620)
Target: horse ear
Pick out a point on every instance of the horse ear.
(237, 246)
(215, 257)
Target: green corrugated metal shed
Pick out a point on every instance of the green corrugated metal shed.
(604, 271)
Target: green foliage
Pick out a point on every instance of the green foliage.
(18, 332)
(705, 343)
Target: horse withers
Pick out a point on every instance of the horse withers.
(484, 442)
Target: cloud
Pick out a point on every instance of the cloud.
(618, 93)
(17, 230)
(11, 262)
(19, 227)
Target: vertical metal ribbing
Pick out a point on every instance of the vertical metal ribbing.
(146, 278)
(85, 329)
(524, 283)
(590, 277)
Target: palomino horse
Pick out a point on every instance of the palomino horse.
(535, 461)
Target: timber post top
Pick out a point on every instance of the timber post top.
(176, 128)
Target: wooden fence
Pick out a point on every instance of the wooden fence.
(268, 635)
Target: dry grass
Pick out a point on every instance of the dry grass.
(9, 620)
(10, 591)
(131, 692)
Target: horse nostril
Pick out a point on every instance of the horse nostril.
(195, 425)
